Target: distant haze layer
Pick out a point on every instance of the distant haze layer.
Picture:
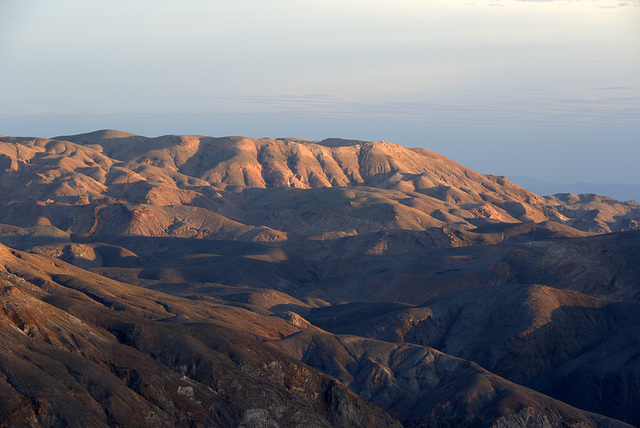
(621, 192)
(545, 89)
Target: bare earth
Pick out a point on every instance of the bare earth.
(190, 280)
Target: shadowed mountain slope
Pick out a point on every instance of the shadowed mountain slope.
(80, 349)
(559, 342)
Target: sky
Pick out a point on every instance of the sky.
(542, 89)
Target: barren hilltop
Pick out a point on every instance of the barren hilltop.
(186, 280)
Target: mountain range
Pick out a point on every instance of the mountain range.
(619, 191)
(200, 281)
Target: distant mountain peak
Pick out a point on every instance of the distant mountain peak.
(378, 185)
(103, 134)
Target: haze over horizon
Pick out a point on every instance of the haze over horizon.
(545, 89)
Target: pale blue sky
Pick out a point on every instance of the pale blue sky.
(547, 89)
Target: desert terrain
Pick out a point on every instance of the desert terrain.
(201, 281)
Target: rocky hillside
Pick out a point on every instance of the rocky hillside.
(79, 349)
(190, 280)
(340, 191)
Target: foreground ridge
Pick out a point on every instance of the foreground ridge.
(133, 356)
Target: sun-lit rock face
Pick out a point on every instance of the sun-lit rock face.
(252, 189)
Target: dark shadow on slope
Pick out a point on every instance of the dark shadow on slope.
(604, 376)
(233, 263)
(586, 355)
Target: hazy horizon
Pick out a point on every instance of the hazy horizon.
(544, 89)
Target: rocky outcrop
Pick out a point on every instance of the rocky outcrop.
(556, 341)
(423, 387)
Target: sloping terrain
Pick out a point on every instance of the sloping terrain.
(559, 342)
(186, 280)
(79, 349)
(275, 191)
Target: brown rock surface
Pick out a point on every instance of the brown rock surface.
(82, 350)
(225, 271)
(236, 188)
